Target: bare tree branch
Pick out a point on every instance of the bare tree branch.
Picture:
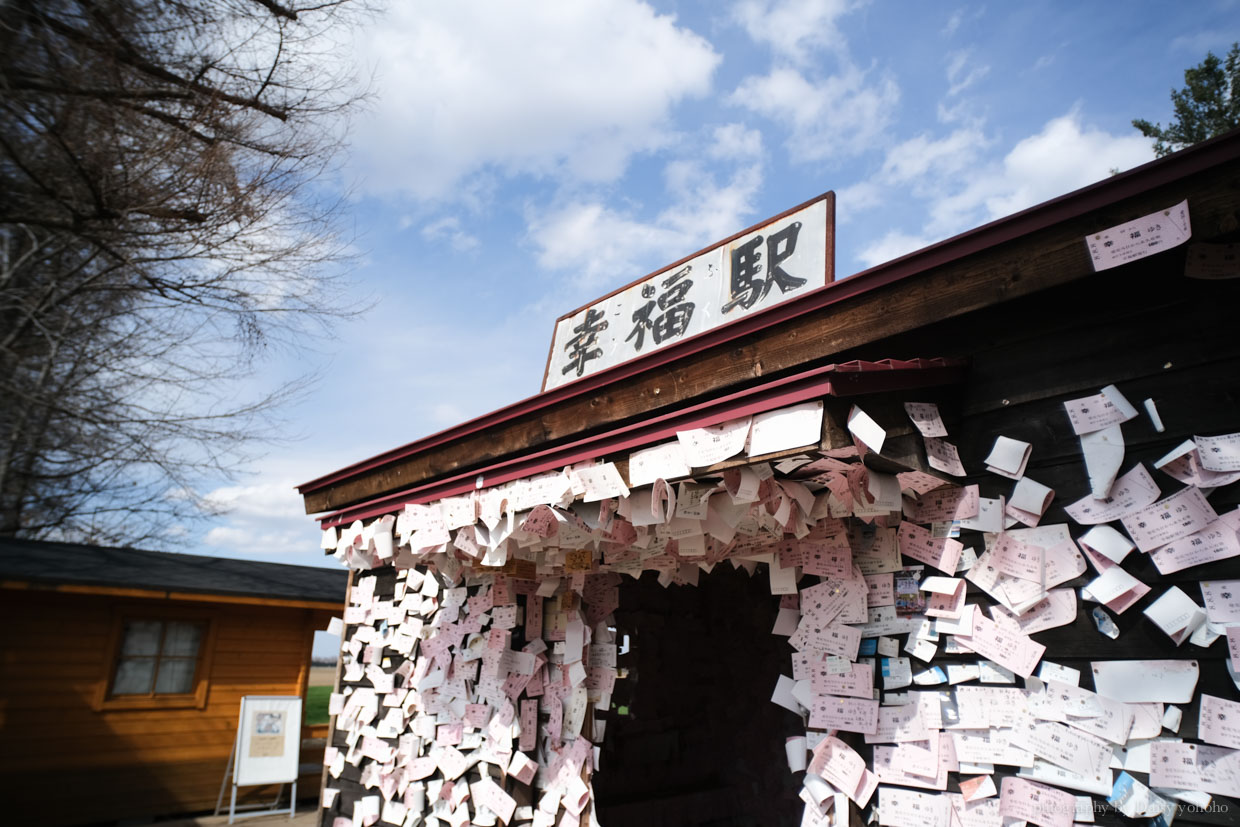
(158, 235)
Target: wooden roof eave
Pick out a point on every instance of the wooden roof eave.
(162, 594)
(1036, 249)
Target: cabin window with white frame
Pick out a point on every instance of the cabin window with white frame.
(157, 657)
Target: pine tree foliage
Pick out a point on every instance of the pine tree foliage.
(1208, 105)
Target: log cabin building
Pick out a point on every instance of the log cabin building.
(121, 674)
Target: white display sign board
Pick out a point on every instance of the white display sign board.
(759, 268)
(268, 740)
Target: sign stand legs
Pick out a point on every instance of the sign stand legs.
(235, 812)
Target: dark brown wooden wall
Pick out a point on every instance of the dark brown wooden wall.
(63, 762)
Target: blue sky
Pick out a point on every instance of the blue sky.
(520, 159)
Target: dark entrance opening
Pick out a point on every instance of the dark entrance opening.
(692, 737)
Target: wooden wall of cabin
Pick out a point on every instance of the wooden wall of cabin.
(64, 762)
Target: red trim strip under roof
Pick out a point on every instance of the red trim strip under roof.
(1128, 184)
(846, 379)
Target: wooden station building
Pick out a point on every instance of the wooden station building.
(998, 326)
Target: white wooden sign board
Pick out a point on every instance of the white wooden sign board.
(761, 267)
(268, 740)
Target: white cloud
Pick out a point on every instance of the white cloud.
(953, 22)
(471, 89)
(449, 229)
(961, 74)
(921, 166)
(264, 520)
(1065, 155)
(607, 246)
(735, 141)
(913, 160)
(960, 190)
(792, 27)
(839, 116)
(892, 245)
(959, 17)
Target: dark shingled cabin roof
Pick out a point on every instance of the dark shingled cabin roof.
(50, 562)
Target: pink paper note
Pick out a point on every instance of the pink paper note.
(1219, 722)
(1233, 646)
(450, 761)
(889, 760)
(977, 788)
(943, 456)
(1216, 541)
(1169, 519)
(906, 808)
(1058, 608)
(420, 768)
(847, 714)
(826, 600)
(838, 764)
(858, 682)
(1036, 803)
(1062, 562)
(492, 796)
(897, 724)
(1016, 559)
(449, 734)
(1131, 492)
(944, 505)
(1009, 649)
(529, 726)
(1183, 766)
(881, 590)
(918, 543)
(825, 558)
(926, 418)
(831, 639)
(1093, 413)
(522, 767)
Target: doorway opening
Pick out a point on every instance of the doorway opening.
(692, 736)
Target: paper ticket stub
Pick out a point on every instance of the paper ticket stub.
(714, 443)
(945, 505)
(1181, 766)
(847, 714)
(893, 768)
(1006, 647)
(978, 811)
(898, 723)
(858, 682)
(1216, 541)
(838, 763)
(944, 456)
(1142, 237)
(1062, 746)
(920, 544)
(926, 418)
(1036, 803)
(1222, 599)
(1219, 453)
(906, 808)
(1130, 492)
(1093, 413)
(1219, 722)
(1183, 513)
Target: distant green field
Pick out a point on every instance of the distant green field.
(316, 704)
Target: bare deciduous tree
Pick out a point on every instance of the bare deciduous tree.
(160, 228)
